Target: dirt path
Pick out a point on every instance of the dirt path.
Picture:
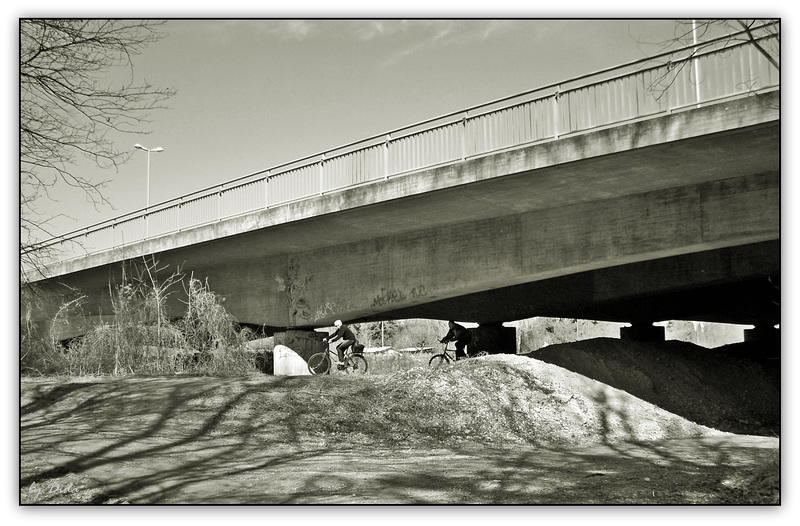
(147, 441)
(219, 472)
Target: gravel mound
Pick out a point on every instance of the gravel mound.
(510, 398)
(596, 391)
(731, 388)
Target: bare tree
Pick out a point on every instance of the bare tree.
(71, 100)
(703, 35)
(751, 31)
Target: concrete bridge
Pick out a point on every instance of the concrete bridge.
(593, 201)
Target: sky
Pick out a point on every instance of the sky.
(256, 93)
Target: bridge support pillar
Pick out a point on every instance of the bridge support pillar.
(643, 332)
(293, 348)
(493, 338)
(763, 333)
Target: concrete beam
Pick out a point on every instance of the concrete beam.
(724, 140)
(365, 279)
(692, 183)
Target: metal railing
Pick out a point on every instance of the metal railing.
(614, 96)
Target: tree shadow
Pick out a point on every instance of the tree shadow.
(212, 441)
(159, 428)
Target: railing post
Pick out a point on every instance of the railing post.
(219, 202)
(696, 65)
(321, 173)
(386, 156)
(556, 116)
(669, 91)
(266, 193)
(464, 136)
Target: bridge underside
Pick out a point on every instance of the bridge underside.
(699, 287)
(649, 221)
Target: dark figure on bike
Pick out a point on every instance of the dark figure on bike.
(347, 336)
(460, 335)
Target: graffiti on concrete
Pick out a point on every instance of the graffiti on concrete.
(420, 291)
(295, 290)
(387, 297)
(331, 310)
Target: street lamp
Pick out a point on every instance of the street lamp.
(148, 150)
(147, 210)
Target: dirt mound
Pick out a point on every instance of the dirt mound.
(596, 391)
(514, 398)
(724, 388)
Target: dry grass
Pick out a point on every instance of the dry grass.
(395, 362)
(143, 340)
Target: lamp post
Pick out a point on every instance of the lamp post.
(147, 210)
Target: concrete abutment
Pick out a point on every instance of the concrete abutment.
(293, 348)
(493, 338)
(763, 333)
(643, 332)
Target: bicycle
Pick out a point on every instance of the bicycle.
(444, 357)
(322, 362)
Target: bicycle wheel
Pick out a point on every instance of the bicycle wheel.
(437, 360)
(355, 364)
(319, 363)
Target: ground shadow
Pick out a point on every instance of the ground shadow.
(201, 440)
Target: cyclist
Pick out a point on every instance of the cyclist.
(348, 339)
(460, 335)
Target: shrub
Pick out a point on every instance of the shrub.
(40, 352)
(142, 339)
(207, 326)
(127, 348)
(420, 334)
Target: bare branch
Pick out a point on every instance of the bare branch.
(71, 98)
(703, 35)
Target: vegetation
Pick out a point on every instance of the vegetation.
(401, 334)
(707, 34)
(143, 339)
(74, 100)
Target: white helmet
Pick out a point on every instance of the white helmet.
(337, 323)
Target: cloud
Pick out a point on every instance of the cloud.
(462, 31)
(297, 29)
(415, 36)
(288, 29)
(225, 31)
(369, 29)
(451, 32)
(441, 31)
